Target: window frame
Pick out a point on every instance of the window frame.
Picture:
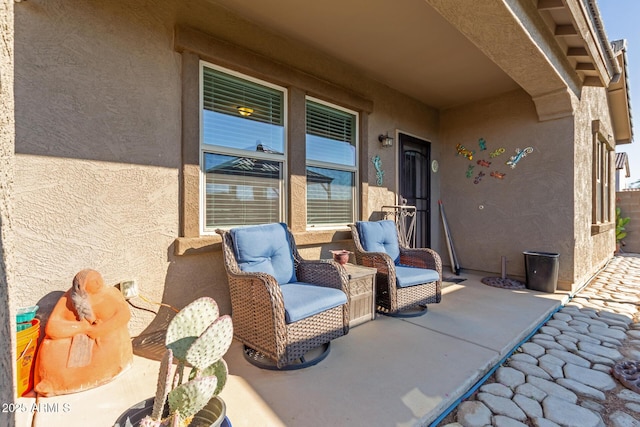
(205, 148)
(355, 169)
(602, 195)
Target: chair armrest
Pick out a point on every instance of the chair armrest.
(327, 273)
(422, 258)
(255, 285)
(378, 260)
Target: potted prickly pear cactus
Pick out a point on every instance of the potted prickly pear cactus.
(197, 337)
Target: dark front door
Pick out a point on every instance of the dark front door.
(415, 183)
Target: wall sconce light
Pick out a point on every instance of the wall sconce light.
(385, 140)
(245, 111)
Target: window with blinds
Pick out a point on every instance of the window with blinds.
(331, 135)
(242, 150)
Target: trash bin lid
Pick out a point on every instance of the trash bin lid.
(547, 254)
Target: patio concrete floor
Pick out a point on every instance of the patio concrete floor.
(386, 372)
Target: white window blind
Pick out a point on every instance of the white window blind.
(242, 145)
(331, 135)
(242, 191)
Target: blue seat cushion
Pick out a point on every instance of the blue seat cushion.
(302, 300)
(411, 276)
(264, 249)
(379, 236)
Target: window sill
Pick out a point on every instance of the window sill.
(602, 227)
(207, 244)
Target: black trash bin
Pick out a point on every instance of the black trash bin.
(541, 270)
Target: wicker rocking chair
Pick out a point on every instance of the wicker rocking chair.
(283, 306)
(408, 279)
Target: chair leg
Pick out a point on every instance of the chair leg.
(261, 361)
(406, 314)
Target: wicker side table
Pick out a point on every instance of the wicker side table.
(362, 289)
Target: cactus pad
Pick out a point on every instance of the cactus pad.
(191, 397)
(214, 342)
(164, 385)
(189, 324)
(220, 370)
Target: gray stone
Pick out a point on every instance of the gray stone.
(620, 317)
(590, 377)
(602, 368)
(531, 391)
(594, 322)
(502, 421)
(551, 368)
(532, 349)
(608, 344)
(569, 415)
(560, 325)
(549, 358)
(543, 422)
(529, 369)
(596, 359)
(453, 425)
(501, 406)
(608, 332)
(497, 389)
(606, 340)
(509, 377)
(620, 419)
(472, 413)
(543, 336)
(614, 322)
(530, 406)
(598, 350)
(570, 358)
(563, 315)
(568, 345)
(635, 407)
(549, 345)
(581, 389)
(523, 357)
(550, 330)
(567, 338)
(629, 395)
(583, 337)
(553, 389)
(582, 328)
(594, 406)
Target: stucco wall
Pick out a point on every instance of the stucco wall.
(7, 282)
(98, 123)
(531, 208)
(629, 203)
(592, 249)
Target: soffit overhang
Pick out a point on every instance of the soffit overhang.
(619, 98)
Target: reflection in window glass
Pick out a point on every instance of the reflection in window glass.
(329, 196)
(241, 191)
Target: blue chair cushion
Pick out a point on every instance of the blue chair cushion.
(302, 300)
(379, 236)
(411, 276)
(264, 249)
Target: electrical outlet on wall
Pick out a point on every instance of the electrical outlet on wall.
(129, 289)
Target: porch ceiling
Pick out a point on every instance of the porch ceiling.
(411, 48)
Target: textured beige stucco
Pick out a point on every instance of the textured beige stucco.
(629, 203)
(7, 256)
(98, 146)
(590, 249)
(531, 208)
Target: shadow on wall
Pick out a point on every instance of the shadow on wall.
(188, 278)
